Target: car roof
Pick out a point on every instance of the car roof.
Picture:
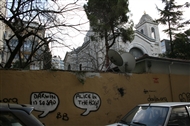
(166, 104)
(9, 106)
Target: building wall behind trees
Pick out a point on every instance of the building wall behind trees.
(88, 98)
(2, 27)
(91, 55)
(29, 45)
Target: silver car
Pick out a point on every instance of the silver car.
(17, 115)
(157, 114)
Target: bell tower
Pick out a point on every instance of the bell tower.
(148, 27)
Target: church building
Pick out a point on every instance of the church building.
(91, 55)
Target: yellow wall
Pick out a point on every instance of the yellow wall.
(104, 98)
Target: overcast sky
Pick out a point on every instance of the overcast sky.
(137, 8)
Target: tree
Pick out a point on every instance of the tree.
(109, 19)
(47, 64)
(182, 45)
(171, 16)
(31, 25)
(17, 65)
(90, 58)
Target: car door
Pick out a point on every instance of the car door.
(179, 116)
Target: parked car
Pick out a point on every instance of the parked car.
(157, 114)
(17, 115)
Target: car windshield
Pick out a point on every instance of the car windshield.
(146, 116)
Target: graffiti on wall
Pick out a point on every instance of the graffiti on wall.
(154, 98)
(106, 90)
(148, 91)
(63, 116)
(44, 102)
(88, 101)
(119, 92)
(184, 97)
(9, 100)
(155, 80)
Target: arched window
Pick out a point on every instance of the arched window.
(136, 52)
(80, 67)
(142, 31)
(69, 67)
(153, 35)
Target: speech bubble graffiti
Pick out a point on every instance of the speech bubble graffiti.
(45, 102)
(87, 100)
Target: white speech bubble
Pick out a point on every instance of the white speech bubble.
(87, 100)
(45, 102)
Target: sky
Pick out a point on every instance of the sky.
(137, 8)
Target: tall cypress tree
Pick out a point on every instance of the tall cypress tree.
(171, 16)
(182, 45)
(108, 18)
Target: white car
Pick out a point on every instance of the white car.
(17, 115)
(157, 114)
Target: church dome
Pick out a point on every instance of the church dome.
(144, 19)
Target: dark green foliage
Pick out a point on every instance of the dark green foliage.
(47, 58)
(171, 16)
(110, 19)
(182, 45)
(109, 16)
(19, 65)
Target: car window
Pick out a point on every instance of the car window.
(8, 119)
(179, 116)
(146, 115)
(188, 109)
(151, 116)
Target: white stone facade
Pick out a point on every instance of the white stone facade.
(57, 63)
(2, 26)
(91, 55)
